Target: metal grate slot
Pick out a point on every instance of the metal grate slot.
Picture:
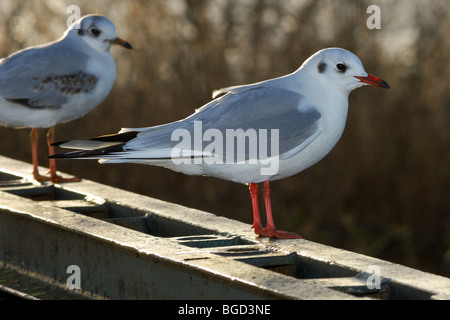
(42, 192)
(309, 268)
(252, 253)
(8, 180)
(249, 252)
(166, 227)
(356, 286)
(212, 241)
(87, 208)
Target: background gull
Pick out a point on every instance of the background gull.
(308, 107)
(58, 82)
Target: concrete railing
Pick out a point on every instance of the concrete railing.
(90, 241)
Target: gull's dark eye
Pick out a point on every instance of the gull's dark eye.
(341, 67)
(95, 32)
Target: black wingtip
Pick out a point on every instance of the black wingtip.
(91, 154)
(120, 139)
(116, 137)
(66, 155)
(57, 144)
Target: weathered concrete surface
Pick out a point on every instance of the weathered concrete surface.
(167, 251)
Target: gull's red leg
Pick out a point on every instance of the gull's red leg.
(270, 229)
(34, 138)
(51, 150)
(256, 219)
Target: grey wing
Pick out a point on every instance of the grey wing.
(266, 110)
(259, 110)
(44, 77)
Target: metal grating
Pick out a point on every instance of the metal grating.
(128, 246)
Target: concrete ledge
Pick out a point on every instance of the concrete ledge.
(130, 246)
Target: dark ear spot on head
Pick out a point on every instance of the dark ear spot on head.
(321, 67)
(80, 32)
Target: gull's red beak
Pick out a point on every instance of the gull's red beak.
(374, 81)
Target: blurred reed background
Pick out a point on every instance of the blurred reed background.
(383, 191)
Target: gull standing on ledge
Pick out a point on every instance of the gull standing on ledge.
(58, 82)
(308, 108)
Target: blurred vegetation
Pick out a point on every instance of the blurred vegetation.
(383, 191)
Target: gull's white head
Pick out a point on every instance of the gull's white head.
(98, 32)
(340, 69)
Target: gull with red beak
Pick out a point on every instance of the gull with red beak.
(58, 82)
(306, 110)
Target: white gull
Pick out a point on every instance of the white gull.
(58, 82)
(299, 118)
